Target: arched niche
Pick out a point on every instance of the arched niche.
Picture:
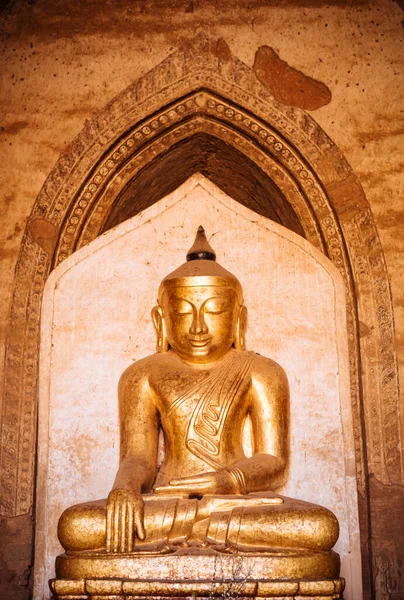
(96, 322)
(195, 92)
(214, 158)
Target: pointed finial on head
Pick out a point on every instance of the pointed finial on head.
(201, 249)
(201, 269)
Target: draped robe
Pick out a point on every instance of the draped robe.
(259, 521)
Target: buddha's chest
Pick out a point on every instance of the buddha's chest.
(202, 406)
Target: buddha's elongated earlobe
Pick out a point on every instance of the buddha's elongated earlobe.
(159, 325)
(239, 340)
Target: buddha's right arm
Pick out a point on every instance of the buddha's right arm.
(138, 459)
(133, 474)
(139, 429)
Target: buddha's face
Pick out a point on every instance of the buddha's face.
(200, 321)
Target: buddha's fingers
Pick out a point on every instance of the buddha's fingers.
(117, 507)
(192, 485)
(139, 521)
(110, 526)
(122, 528)
(129, 528)
(196, 480)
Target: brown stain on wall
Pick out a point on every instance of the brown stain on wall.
(387, 507)
(222, 50)
(44, 233)
(348, 198)
(366, 137)
(364, 330)
(16, 127)
(288, 85)
(8, 200)
(16, 557)
(16, 232)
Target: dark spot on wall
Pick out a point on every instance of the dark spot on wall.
(17, 230)
(16, 127)
(288, 85)
(222, 50)
(8, 199)
(44, 233)
(364, 330)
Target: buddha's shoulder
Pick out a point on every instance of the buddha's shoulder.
(141, 369)
(266, 367)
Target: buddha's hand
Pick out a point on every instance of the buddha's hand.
(125, 512)
(213, 482)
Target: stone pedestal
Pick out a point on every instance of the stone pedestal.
(198, 574)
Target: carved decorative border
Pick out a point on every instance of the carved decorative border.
(224, 98)
(114, 174)
(142, 589)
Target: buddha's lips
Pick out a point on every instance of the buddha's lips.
(199, 342)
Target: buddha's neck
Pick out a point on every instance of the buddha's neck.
(206, 365)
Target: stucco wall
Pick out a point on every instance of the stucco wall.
(63, 61)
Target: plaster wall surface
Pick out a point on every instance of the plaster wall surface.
(96, 322)
(61, 62)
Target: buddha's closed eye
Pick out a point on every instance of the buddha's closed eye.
(216, 311)
(209, 307)
(214, 307)
(182, 308)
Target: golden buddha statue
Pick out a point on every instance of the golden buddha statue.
(200, 388)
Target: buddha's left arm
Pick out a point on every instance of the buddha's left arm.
(269, 415)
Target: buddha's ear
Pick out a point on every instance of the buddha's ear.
(239, 340)
(160, 327)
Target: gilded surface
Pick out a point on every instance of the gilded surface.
(200, 389)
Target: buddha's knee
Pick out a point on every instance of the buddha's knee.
(294, 525)
(320, 528)
(82, 527)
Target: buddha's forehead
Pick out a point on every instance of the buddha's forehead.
(198, 293)
(201, 285)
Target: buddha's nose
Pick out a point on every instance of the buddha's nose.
(198, 325)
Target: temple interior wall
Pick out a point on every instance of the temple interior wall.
(63, 61)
